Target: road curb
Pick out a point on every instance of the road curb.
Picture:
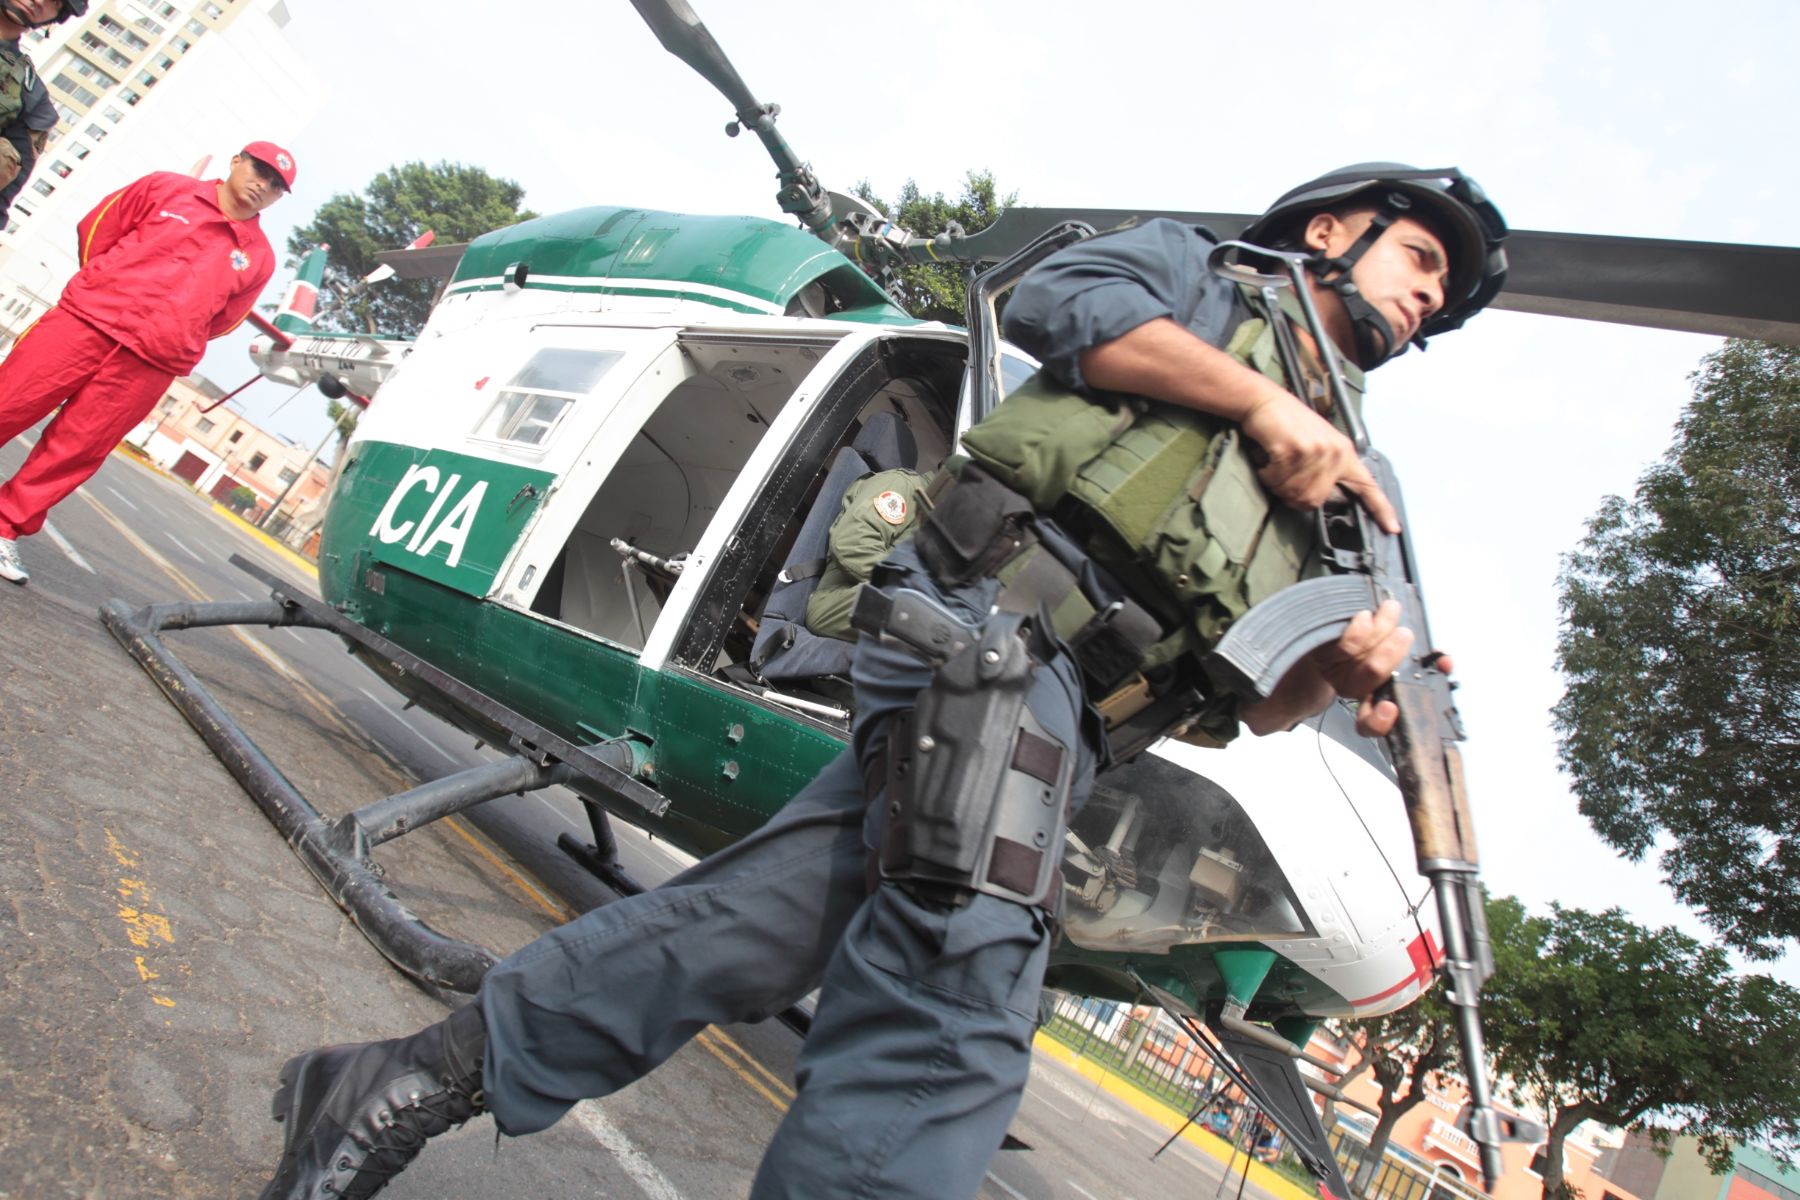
(1278, 1185)
(275, 544)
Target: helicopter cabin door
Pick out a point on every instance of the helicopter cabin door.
(667, 533)
(460, 487)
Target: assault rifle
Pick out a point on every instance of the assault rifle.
(1367, 566)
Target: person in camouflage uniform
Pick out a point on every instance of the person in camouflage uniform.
(26, 114)
(879, 510)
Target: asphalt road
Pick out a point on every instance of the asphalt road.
(110, 1087)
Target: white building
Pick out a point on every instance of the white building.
(142, 86)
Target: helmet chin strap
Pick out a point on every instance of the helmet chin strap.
(1373, 335)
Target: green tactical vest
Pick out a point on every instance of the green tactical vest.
(1165, 496)
(15, 78)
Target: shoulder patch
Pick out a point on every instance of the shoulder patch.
(890, 506)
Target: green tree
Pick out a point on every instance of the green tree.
(935, 293)
(1681, 611)
(1592, 1017)
(1406, 1050)
(458, 202)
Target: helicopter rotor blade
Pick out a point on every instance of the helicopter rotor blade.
(1697, 287)
(684, 35)
(1718, 288)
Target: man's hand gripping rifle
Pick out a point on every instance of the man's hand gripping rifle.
(1369, 566)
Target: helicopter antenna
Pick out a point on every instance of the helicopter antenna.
(684, 35)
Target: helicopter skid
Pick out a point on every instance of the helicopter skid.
(336, 851)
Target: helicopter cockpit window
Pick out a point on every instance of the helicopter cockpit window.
(1161, 857)
(533, 402)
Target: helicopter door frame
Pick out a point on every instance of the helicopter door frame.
(603, 448)
(790, 457)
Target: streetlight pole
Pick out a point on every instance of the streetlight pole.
(301, 474)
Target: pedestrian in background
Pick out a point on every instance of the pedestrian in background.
(167, 264)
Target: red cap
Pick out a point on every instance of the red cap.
(275, 158)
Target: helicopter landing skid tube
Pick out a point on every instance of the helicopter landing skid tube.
(336, 850)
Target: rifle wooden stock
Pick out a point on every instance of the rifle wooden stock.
(1431, 783)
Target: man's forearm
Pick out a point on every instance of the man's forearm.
(1163, 361)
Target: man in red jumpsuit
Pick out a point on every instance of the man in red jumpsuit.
(167, 263)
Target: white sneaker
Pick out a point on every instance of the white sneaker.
(10, 566)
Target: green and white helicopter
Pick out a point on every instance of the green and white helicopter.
(577, 521)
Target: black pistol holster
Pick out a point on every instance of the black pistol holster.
(963, 815)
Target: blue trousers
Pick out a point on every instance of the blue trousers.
(920, 1048)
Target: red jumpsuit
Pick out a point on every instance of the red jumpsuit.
(163, 270)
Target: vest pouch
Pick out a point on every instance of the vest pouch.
(1205, 540)
(1037, 438)
(1286, 554)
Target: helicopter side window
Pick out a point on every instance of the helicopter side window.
(533, 402)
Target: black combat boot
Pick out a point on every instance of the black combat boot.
(356, 1115)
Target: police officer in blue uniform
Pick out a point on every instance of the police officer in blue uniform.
(913, 882)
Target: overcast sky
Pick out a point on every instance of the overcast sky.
(1641, 119)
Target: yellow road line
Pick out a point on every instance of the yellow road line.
(144, 926)
(534, 891)
(711, 1048)
(775, 1080)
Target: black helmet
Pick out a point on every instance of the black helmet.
(1452, 203)
(73, 8)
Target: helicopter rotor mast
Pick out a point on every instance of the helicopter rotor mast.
(684, 35)
(842, 221)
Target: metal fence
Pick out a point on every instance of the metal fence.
(1157, 1055)
(1397, 1177)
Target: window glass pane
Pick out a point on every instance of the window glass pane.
(74, 89)
(1013, 372)
(524, 418)
(562, 370)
